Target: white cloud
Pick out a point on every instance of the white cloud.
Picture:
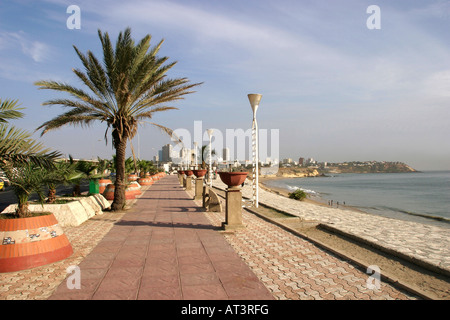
(36, 50)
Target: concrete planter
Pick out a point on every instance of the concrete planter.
(200, 173)
(72, 213)
(233, 179)
(32, 242)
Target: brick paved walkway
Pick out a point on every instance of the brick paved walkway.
(293, 268)
(166, 247)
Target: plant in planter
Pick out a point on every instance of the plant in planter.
(39, 239)
(64, 173)
(144, 167)
(30, 239)
(103, 168)
(26, 179)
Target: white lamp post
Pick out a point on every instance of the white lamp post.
(195, 154)
(254, 102)
(210, 133)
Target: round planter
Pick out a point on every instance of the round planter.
(130, 193)
(109, 192)
(233, 179)
(132, 177)
(188, 173)
(110, 189)
(200, 173)
(102, 184)
(181, 172)
(135, 187)
(32, 242)
(147, 181)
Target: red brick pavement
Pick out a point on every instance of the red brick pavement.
(164, 248)
(293, 268)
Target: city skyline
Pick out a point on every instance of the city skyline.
(334, 87)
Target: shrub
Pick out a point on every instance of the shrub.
(298, 195)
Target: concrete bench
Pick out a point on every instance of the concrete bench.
(211, 200)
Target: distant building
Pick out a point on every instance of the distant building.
(226, 154)
(301, 161)
(167, 153)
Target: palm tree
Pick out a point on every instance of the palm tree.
(26, 179)
(130, 86)
(62, 174)
(16, 145)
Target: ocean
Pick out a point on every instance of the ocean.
(419, 196)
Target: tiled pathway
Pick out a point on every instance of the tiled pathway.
(293, 268)
(165, 248)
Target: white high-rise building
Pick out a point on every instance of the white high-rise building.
(226, 154)
(167, 153)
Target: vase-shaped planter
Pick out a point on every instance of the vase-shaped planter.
(147, 181)
(102, 184)
(132, 177)
(200, 173)
(32, 242)
(188, 173)
(233, 179)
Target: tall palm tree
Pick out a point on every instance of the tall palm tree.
(16, 145)
(130, 86)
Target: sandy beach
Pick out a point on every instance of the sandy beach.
(285, 193)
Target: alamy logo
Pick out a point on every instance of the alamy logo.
(373, 282)
(74, 20)
(74, 280)
(237, 142)
(374, 21)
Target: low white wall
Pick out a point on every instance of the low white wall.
(73, 213)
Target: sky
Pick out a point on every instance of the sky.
(335, 89)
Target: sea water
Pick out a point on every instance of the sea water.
(418, 196)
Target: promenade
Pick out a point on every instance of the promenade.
(167, 247)
(421, 243)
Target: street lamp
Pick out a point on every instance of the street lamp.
(195, 154)
(210, 133)
(254, 102)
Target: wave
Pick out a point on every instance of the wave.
(293, 188)
(422, 215)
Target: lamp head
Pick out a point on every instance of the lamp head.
(254, 99)
(210, 132)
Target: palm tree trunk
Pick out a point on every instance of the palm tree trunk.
(119, 192)
(22, 210)
(51, 194)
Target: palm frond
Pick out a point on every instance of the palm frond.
(17, 146)
(9, 109)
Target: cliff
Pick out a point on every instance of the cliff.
(295, 173)
(370, 167)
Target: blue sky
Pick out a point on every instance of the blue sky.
(336, 90)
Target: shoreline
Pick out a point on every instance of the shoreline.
(322, 202)
(285, 193)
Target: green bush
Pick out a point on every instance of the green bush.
(298, 195)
